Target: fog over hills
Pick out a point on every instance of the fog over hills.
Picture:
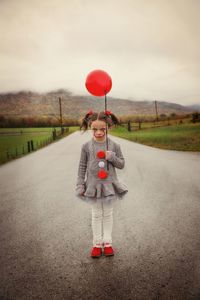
(194, 107)
(28, 103)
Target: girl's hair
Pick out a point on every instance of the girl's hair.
(106, 116)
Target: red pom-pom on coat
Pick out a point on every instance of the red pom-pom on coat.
(102, 174)
(101, 154)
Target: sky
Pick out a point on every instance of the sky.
(150, 48)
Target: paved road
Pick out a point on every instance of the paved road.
(46, 237)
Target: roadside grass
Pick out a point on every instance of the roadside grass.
(183, 137)
(13, 141)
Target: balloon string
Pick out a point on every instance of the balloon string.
(106, 130)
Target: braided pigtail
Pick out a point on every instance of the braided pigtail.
(111, 119)
(114, 119)
(87, 120)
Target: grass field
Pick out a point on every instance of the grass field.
(13, 141)
(183, 137)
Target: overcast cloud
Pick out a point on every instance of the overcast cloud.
(149, 47)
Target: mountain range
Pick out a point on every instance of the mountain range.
(31, 104)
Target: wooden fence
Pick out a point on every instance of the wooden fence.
(32, 145)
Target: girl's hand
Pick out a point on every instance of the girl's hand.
(80, 190)
(110, 155)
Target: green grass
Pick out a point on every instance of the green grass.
(12, 145)
(185, 137)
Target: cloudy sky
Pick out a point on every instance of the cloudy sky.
(150, 48)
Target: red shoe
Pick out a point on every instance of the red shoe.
(96, 252)
(108, 251)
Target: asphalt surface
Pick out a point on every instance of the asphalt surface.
(46, 235)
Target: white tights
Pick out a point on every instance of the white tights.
(102, 223)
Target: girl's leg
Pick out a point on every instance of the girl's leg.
(97, 215)
(107, 223)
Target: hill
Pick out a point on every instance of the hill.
(194, 107)
(30, 104)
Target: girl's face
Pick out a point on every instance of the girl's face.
(98, 130)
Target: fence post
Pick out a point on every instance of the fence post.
(54, 134)
(29, 146)
(32, 147)
(129, 125)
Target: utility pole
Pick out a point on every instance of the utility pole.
(60, 115)
(156, 111)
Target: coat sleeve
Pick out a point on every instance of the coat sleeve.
(117, 158)
(82, 166)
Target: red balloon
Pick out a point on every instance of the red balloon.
(98, 83)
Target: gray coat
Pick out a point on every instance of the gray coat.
(89, 185)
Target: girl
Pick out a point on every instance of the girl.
(101, 186)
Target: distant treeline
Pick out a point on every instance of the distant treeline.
(195, 117)
(16, 122)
